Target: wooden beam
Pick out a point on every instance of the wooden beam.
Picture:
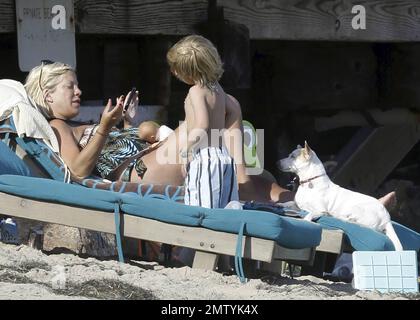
(7, 16)
(376, 157)
(275, 266)
(393, 20)
(281, 253)
(125, 17)
(141, 228)
(205, 260)
(139, 16)
(332, 241)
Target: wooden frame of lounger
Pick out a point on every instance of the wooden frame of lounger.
(332, 241)
(208, 243)
(206, 257)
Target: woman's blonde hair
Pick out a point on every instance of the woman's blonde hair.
(45, 77)
(194, 58)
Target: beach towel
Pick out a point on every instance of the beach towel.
(27, 118)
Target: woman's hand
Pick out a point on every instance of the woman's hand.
(131, 111)
(112, 116)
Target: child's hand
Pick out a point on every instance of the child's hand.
(112, 116)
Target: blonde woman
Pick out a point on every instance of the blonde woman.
(86, 149)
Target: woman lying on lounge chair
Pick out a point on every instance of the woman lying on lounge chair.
(54, 88)
(86, 149)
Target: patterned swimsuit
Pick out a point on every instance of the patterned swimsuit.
(120, 145)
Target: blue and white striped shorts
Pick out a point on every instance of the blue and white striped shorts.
(211, 179)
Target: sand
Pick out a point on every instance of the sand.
(26, 273)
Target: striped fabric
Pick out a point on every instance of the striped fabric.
(211, 179)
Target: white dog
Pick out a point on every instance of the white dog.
(318, 195)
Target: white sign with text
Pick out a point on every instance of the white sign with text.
(46, 31)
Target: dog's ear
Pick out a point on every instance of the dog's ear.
(307, 151)
(298, 146)
(307, 148)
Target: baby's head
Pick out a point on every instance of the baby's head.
(148, 131)
(195, 59)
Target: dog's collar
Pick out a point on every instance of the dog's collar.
(310, 179)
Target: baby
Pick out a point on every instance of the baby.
(151, 132)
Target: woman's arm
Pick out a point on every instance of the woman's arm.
(82, 162)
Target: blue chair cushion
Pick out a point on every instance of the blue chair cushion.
(409, 239)
(287, 232)
(366, 239)
(49, 190)
(10, 163)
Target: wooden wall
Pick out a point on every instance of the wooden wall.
(293, 79)
(387, 20)
(286, 61)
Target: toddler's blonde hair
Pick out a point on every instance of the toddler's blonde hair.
(195, 58)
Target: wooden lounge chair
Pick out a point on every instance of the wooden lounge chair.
(261, 236)
(290, 239)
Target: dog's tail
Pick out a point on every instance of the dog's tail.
(390, 232)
